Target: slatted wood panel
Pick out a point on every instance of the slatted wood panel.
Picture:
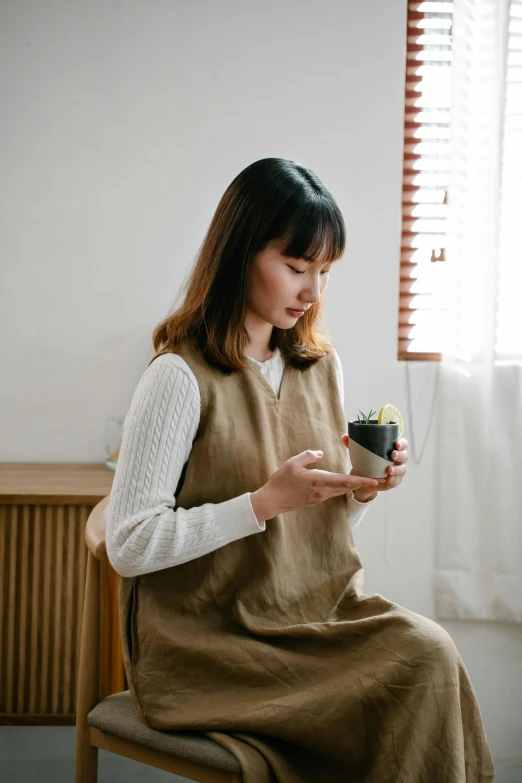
(43, 559)
(42, 577)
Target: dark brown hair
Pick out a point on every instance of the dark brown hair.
(273, 200)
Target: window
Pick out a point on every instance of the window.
(425, 179)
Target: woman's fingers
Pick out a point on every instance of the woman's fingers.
(356, 482)
(397, 470)
(392, 482)
(334, 480)
(401, 455)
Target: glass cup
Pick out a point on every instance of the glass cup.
(113, 438)
(371, 447)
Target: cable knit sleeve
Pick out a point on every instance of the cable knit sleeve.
(356, 509)
(144, 533)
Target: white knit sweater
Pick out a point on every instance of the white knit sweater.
(144, 533)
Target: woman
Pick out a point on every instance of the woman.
(242, 608)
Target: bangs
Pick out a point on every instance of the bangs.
(315, 229)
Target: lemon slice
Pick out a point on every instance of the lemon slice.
(390, 415)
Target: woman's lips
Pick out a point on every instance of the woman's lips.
(295, 313)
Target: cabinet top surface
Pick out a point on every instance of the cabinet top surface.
(72, 482)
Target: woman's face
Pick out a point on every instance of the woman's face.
(278, 283)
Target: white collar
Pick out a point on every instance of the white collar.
(274, 354)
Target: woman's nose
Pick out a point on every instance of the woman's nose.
(312, 293)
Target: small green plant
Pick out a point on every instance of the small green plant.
(365, 419)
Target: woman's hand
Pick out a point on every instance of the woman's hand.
(294, 486)
(395, 472)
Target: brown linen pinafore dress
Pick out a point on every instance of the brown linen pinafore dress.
(269, 644)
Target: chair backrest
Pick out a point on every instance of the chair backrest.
(95, 530)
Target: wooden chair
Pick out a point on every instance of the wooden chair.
(112, 723)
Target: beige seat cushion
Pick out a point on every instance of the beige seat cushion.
(116, 715)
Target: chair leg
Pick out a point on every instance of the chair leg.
(86, 764)
(88, 674)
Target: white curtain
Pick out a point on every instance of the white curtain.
(478, 570)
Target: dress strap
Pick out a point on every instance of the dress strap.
(158, 354)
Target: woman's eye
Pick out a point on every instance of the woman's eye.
(297, 272)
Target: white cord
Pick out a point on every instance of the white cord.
(386, 531)
(410, 411)
(413, 450)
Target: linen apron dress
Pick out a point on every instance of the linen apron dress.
(269, 645)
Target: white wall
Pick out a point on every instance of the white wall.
(123, 123)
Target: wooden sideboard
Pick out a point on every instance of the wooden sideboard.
(43, 511)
